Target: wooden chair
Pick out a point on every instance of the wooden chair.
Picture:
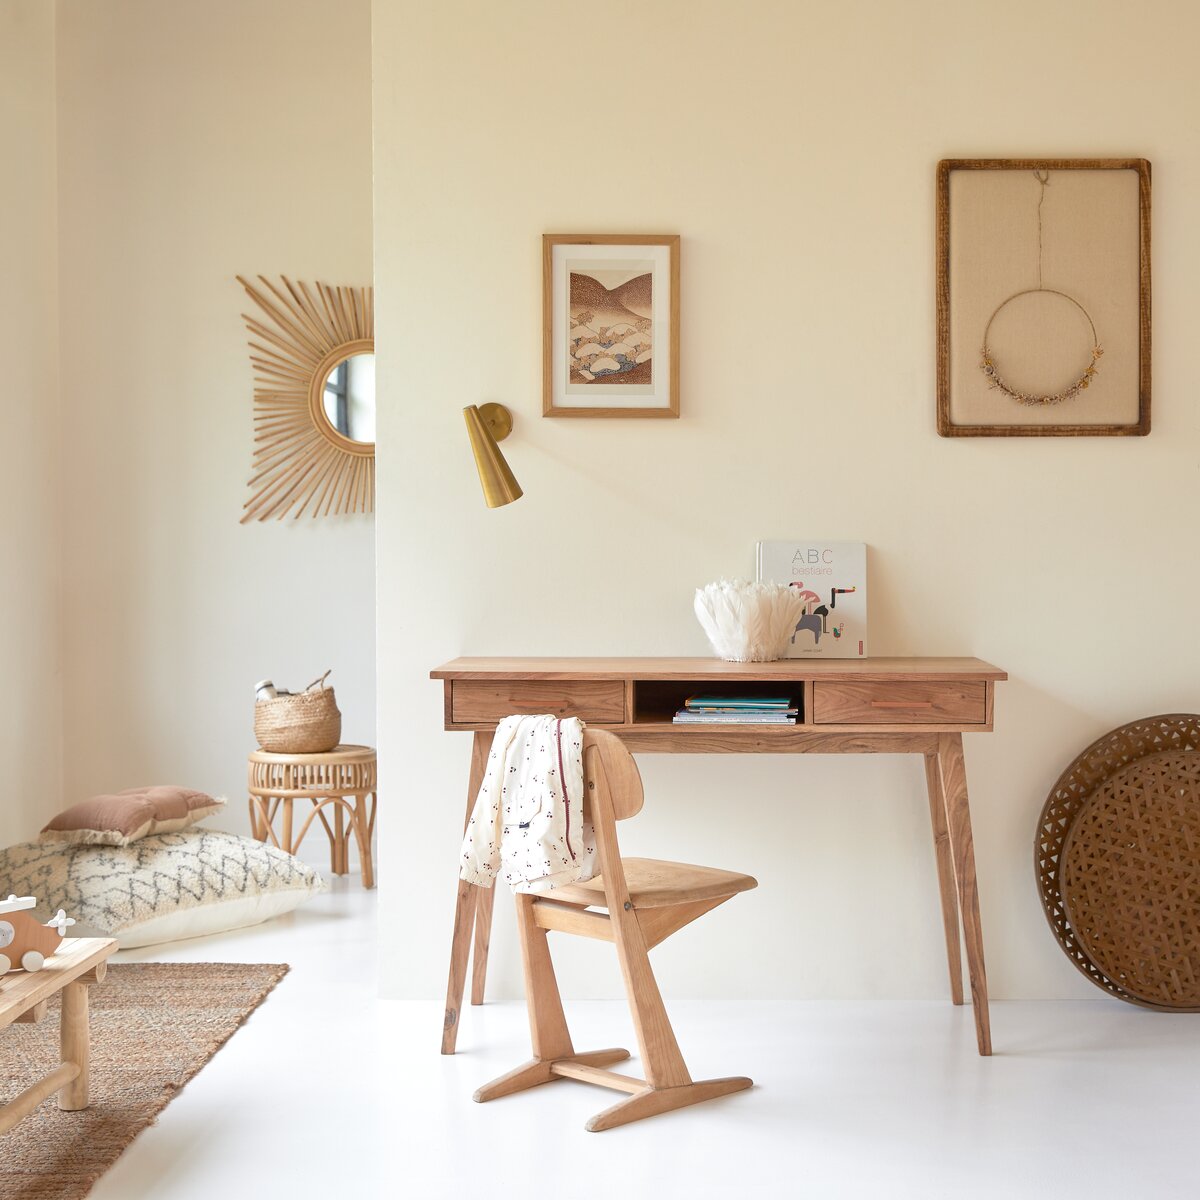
(646, 901)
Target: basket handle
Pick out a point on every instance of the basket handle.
(319, 680)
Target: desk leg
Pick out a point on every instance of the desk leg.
(464, 911)
(483, 936)
(953, 774)
(945, 871)
(75, 1045)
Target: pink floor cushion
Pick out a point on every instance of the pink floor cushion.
(129, 816)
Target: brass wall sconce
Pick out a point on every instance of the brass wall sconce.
(487, 425)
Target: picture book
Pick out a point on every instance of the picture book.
(737, 710)
(832, 578)
(687, 716)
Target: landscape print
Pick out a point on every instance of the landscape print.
(611, 307)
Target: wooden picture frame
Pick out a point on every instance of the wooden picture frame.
(618, 282)
(1072, 243)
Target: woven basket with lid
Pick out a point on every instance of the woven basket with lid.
(308, 722)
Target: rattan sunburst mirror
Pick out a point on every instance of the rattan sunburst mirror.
(313, 356)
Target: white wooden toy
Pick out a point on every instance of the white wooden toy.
(24, 942)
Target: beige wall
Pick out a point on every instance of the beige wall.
(793, 146)
(31, 728)
(196, 141)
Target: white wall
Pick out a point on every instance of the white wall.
(31, 725)
(793, 146)
(198, 141)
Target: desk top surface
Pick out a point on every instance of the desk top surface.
(715, 668)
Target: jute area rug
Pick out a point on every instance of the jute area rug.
(154, 1025)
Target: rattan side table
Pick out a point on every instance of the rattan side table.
(340, 779)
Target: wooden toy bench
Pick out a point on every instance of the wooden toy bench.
(23, 1000)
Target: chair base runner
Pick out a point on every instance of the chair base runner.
(538, 1071)
(645, 1101)
(652, 1101)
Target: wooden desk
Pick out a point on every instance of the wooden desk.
(847, 706)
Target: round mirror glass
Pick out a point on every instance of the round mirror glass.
(349, 397)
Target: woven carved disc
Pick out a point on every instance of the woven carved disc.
(1130, 870)
(1091, 770)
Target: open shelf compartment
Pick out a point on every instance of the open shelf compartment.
(656, 701)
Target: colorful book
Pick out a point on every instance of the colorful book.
(685, 717)
(739, 702)
(832, 578)
(715, 708)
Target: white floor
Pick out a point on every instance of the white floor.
(329, 1092)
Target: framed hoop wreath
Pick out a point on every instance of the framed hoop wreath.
(1043, 297)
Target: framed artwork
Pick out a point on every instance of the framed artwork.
(1043, 297)
(610, 325)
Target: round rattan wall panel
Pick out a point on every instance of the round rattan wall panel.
(1104, 758)
(1130, 879)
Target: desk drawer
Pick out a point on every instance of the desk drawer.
(477, 700)
(918, 702)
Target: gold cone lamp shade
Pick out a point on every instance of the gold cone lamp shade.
(487, 426)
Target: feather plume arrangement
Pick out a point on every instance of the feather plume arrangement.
(748, 622)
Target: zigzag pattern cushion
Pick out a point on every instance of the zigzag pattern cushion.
(162, 888)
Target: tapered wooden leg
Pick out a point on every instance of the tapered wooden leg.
(548, 1033)
(945, 873)
(484, 904)
(75, 1045)
(953, 773)
(254, 820)
(460, 950)
(287, 826)
(660, 1052)
(464, 910)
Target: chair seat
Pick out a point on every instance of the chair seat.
(654, 883)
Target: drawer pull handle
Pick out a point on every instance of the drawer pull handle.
(901, 704)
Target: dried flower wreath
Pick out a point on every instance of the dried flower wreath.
(988, 362)
(996, 380)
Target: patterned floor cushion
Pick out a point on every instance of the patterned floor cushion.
(160, 889)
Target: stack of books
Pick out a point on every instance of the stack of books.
(737, 710)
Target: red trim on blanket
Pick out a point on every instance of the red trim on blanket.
(562, 777)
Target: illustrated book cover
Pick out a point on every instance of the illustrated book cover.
(832, 577)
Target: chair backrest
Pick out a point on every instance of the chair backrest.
(608, 767)
(612, 792)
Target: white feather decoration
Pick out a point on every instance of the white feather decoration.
(748, 622)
